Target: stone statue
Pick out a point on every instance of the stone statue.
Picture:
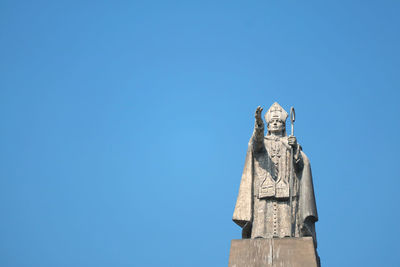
(276, 195)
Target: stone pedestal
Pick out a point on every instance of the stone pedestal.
(274, 252)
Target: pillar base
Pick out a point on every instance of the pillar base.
(273, 252)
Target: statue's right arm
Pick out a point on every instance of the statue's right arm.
(258, 134)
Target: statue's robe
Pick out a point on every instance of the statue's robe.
(263, 204)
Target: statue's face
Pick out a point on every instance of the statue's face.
(276, 126)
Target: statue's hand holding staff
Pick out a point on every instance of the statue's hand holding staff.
(259, 120)
(292, 141)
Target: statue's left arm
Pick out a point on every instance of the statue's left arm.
(308, 207)
(297, 158)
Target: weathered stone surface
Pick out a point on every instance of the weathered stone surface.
(273, 252)
(276, 194)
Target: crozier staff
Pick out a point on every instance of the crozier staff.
(292, 142)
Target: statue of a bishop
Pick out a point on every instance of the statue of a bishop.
(276, 195)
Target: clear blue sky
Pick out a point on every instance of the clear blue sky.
(124, 126)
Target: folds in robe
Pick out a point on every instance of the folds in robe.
(250, 201)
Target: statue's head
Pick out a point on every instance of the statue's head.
(276, 119)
